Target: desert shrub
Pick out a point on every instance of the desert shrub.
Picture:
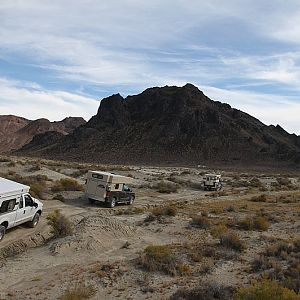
(230, 208)
(266, 290)
(165, 211)
(66, 184)
(60, 225)
(11, 164)
(4, 159)
(207, 291)
(256, 223)
(79, 292)
(260, 198)
(261, 223)
(158, 258)
(262, 263)
(59, 197)
(35, 167)
(79, 173)
(37, 190)
(200, 222)
(255, 182)
(183, 269)
(279, 249)
(218, 230)
(283, 181)
(232, 241)
(165, 187)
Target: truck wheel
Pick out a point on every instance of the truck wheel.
(112, 202)
(2, 232)
(131, 200)
(34, 221)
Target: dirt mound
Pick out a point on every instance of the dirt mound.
(93, 233)
(22, 245)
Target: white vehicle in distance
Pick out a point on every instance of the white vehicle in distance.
(17, 206)
(212, 182)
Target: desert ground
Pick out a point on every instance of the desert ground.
(176, 241)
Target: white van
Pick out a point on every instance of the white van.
(17, 206)
(109, 188)
(212, 182)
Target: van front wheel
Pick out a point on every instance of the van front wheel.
(2, 232)
(112, 202)
(34, 221)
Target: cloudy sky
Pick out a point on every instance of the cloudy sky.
(59, 57)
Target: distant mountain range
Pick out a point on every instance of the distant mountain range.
(167, 125)
(15, 132)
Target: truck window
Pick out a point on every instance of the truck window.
(21, 205)
(117, 186)
(28, 200)
(98, 176)
(7, 206)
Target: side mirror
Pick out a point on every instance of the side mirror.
(35, 205)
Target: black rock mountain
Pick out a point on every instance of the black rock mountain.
(171, 125)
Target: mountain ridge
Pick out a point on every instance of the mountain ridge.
(173, 125)
(16, 132)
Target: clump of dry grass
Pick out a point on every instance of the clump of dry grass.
(59, 197)
(260, 198)
(79, 292)
(206, 290)
(158, 258)
(61, 226)
(266, 289)
(232, 241)
(202, 222)
(254, 223)
(218, 230)
(66, 184)
(165, 187)
(164, 211)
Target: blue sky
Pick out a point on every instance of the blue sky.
(60, 57)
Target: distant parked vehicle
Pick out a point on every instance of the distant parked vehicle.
(17, 206)
(108, 188)
(212, 182)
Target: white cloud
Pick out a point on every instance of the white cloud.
(36, 103)
(136, 44)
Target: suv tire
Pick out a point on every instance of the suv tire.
(2, 232)
(34, 221)
(112, 202)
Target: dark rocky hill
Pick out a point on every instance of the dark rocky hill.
(15, 132)
(172, 125)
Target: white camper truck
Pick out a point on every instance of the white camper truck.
(212, 182)
(109, 188)
(17, 206)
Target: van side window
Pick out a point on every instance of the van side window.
(21, 205)
(117, 186)
(7, 206)
(28, 200)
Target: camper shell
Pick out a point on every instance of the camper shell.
(212, 181)
(109, 188)
(17, 206)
